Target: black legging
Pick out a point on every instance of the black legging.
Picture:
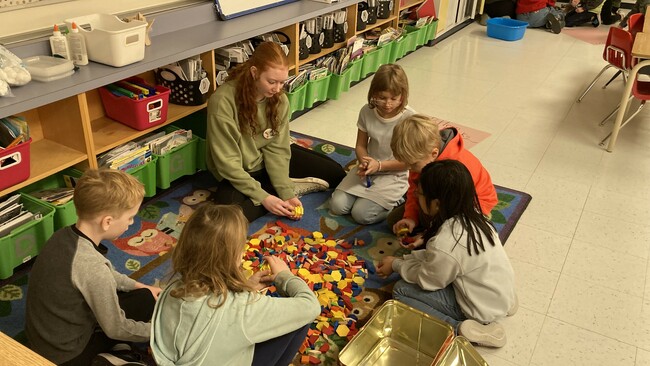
(303, 163)
(137, 305)
(281, 350)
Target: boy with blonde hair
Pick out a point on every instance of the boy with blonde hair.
(78, 306)
(418, 141)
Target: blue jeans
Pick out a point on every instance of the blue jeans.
(537, 18)
(362, 210)
(441, 303)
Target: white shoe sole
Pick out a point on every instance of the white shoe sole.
(489, 335)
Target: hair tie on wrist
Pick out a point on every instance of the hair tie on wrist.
(379, 161)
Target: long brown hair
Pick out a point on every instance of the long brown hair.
(266, 55)
(209, 251)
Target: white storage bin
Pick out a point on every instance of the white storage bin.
(111, 41)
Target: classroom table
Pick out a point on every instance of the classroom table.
(15, 354)
(640, 50)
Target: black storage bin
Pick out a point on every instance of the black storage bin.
(362, 16)
(183, 92)
(384, 9)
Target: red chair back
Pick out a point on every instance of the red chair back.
(618, 49)
(635, 23)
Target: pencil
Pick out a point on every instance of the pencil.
(15, 142)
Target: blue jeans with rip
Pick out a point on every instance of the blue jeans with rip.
(537, 18)
(440, 303)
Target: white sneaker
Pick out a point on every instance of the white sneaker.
(488, 335)
(308, 185)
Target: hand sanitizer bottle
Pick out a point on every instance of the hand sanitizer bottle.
(77, 42)
(59, 44)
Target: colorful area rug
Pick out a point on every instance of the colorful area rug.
(143, 251)
(588, 33)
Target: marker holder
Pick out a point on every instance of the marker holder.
(184, 92)
(139, 114)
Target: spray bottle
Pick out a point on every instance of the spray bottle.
(59, 44)
(77, 42)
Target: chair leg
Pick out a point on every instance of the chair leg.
(613, 113)
(619, 72)
(602, 142)
(593, 82)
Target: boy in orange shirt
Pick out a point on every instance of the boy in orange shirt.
(417, 141)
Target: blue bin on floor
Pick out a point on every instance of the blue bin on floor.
(506, 29)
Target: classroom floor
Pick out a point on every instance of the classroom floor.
(580, 251)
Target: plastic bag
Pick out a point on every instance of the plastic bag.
(12, 71)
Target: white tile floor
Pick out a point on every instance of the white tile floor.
(581, 249)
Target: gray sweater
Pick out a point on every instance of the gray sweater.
(73, 290)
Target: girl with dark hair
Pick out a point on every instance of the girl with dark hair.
(464, 276)
(249, 150)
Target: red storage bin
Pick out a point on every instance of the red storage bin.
(138, 114)
(14, 165)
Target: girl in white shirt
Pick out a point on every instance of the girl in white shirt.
(464, 276)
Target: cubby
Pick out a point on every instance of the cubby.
(66, 117)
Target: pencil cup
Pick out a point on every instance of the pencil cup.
(385, 7)
(328, 38)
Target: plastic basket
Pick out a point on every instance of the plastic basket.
(432, 28)
(317, 91)
(339, 84)
(198, 123)
(412, 38)
(138, 114)
(25, 242)
(184, 92)
(421, 34)
(146, 174)
(111, 41)
(355, 69)
(398, 50)
(65, 214)
(176, 163)
(372, 61)
(297, 98)
(506, 29)
(14, 164)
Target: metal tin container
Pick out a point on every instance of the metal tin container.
(398, 335)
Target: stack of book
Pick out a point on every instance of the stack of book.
(136, 153)
(13, 131)
(13, 214)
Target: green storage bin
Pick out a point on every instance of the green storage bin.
(317, 91)
(198, 123)
(65, 214)
(339, 84)
(146, 174)
(177, 162)
(412, 38)
(355, 69)
(432, 28)
(420, 35)
(385, 53)
(26, 241)
(297, 98)
(398, 50)
(370, 62)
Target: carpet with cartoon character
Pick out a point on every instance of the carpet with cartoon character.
(143, 251)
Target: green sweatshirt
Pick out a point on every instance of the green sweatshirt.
(232, 155)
